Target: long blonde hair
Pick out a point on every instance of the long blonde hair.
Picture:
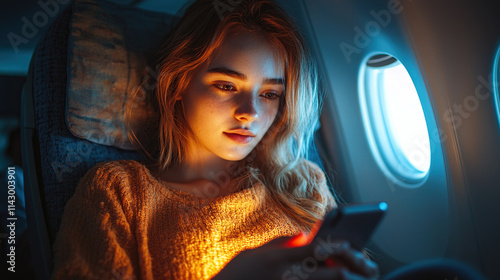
(278, 160)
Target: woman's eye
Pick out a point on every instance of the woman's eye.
(271, 95)
(225, 87)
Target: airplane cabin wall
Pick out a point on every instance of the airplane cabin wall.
(449, 49)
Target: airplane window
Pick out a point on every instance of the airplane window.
(394, 118)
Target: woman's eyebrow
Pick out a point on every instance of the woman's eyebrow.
(240, 76)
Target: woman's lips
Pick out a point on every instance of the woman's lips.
(238, 138)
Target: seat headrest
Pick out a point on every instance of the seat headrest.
(110, 48)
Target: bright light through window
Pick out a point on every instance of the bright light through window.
(394, 118)
(405, 117)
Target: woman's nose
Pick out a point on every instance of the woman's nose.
(246, 110)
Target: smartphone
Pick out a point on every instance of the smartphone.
(354, 223)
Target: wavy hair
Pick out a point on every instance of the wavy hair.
(278, 160)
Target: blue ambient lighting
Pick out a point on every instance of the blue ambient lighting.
(496, 81)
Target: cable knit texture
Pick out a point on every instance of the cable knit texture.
(123, 223)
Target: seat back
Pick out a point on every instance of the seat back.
(53, 159)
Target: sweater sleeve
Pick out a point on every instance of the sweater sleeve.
(96, 237)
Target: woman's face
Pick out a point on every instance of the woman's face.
(231, 102)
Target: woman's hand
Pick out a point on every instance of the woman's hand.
(276, 260)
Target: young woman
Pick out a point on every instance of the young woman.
(237, 105)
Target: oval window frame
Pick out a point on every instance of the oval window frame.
(393, 163)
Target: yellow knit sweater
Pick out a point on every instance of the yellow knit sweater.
(123, 223)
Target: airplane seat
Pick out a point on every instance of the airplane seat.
(54, 159)
(54, 156)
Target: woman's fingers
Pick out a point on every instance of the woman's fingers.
(325, 255)
(276, 261)
(338, 253)
(356, 261)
